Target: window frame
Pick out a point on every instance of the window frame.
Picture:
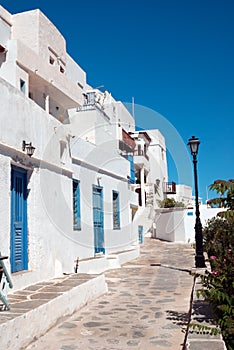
(116, 210)
(76, 204)
(23, 86)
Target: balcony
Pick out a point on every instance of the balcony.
(140, 152)
(127, 144)
(125, 148)
(141, 160)
(169, 187)
(92, 107)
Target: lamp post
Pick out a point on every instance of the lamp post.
(193, 143)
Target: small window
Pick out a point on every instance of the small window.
(22, 86)
(163, 157)
(91, 98)
(62, 69)
(116, 213)
(52, 60)
(76, 205)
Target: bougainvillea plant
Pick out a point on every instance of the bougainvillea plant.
(218, 283)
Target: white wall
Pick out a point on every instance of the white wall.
(30, 50)
(158, 162)
(5, 26)
(125, 119)
(190, 217)
(74, 72)
(183, 194)
(53, 245)
(115, 240)
(98, 164)
(24, 120)
(177, 224)
(42, 33)
(170, 225)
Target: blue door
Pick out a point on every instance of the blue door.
(98, 220)
(19, 239)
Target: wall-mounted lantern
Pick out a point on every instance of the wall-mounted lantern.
(28, 147)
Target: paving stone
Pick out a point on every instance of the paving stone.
(105, 313)
(68, 347)
(34, 287)
(146, 301)
(67, 325)
(166, 300)
(163, 343)
(104, 302)
(138, 335)
(155, 308)
(132, 343)
(27, 305)
(112, 341)
(135, 311)
(94, 324)
(46, 296)
(80, 318)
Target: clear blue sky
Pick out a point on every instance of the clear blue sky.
(175, 57)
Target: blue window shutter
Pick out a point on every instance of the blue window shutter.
(98, 219)
(76, 205)
(132, 177)
(129, 157)
(19, 232)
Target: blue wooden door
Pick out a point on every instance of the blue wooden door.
(98, 220)
(19, 240)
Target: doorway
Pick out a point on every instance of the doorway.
(19, 234)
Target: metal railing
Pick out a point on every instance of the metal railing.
(169, 187)
(141, 153)
(5, 282)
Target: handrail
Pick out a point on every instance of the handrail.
(4, 277)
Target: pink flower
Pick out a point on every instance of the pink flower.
(213, 257)
(215, 273)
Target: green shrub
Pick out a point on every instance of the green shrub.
(170, 203)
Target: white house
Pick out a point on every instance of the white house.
(72, 197)
(184, 195)
(150, 166)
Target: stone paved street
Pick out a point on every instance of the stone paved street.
(146, 307)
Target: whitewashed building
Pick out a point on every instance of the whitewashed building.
(150, 166)
(184, 195)
(73, 196)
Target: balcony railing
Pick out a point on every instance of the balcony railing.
(92, 106)
(125, 148)
(127, 139)
(169, 187)
(141, 153)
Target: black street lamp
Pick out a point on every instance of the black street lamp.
(194, 143)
